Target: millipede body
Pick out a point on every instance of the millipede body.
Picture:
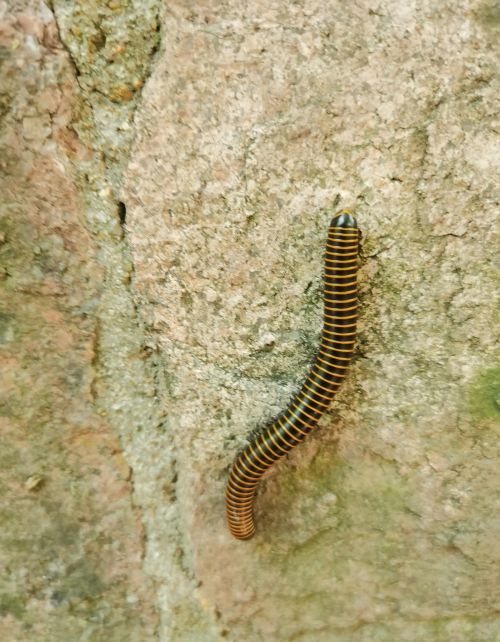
(327, 372)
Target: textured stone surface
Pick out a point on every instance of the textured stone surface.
(161, 255)
(256, 119)
(71, 541)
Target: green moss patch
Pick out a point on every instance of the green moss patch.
(484, 395)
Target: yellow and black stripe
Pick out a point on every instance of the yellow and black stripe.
(326, 375)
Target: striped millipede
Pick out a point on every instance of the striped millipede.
(325, 376)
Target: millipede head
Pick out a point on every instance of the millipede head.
(344, 218)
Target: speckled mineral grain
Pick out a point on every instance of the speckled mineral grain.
(174, 179)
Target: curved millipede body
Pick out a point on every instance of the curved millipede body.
(327, 372)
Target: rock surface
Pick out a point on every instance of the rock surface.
(72, 538)
(170, 178)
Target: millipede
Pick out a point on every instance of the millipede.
(329, 369)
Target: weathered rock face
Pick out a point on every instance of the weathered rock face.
(254, 121)
(254, 125)
(71, 540)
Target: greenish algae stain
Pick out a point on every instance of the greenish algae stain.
(484, 395)
(490, 13)
(371, 498)
(12, 605)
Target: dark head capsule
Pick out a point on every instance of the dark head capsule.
(344, 219)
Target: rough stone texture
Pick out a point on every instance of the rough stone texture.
(217, 157)
(257, 117)
(71, 541)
